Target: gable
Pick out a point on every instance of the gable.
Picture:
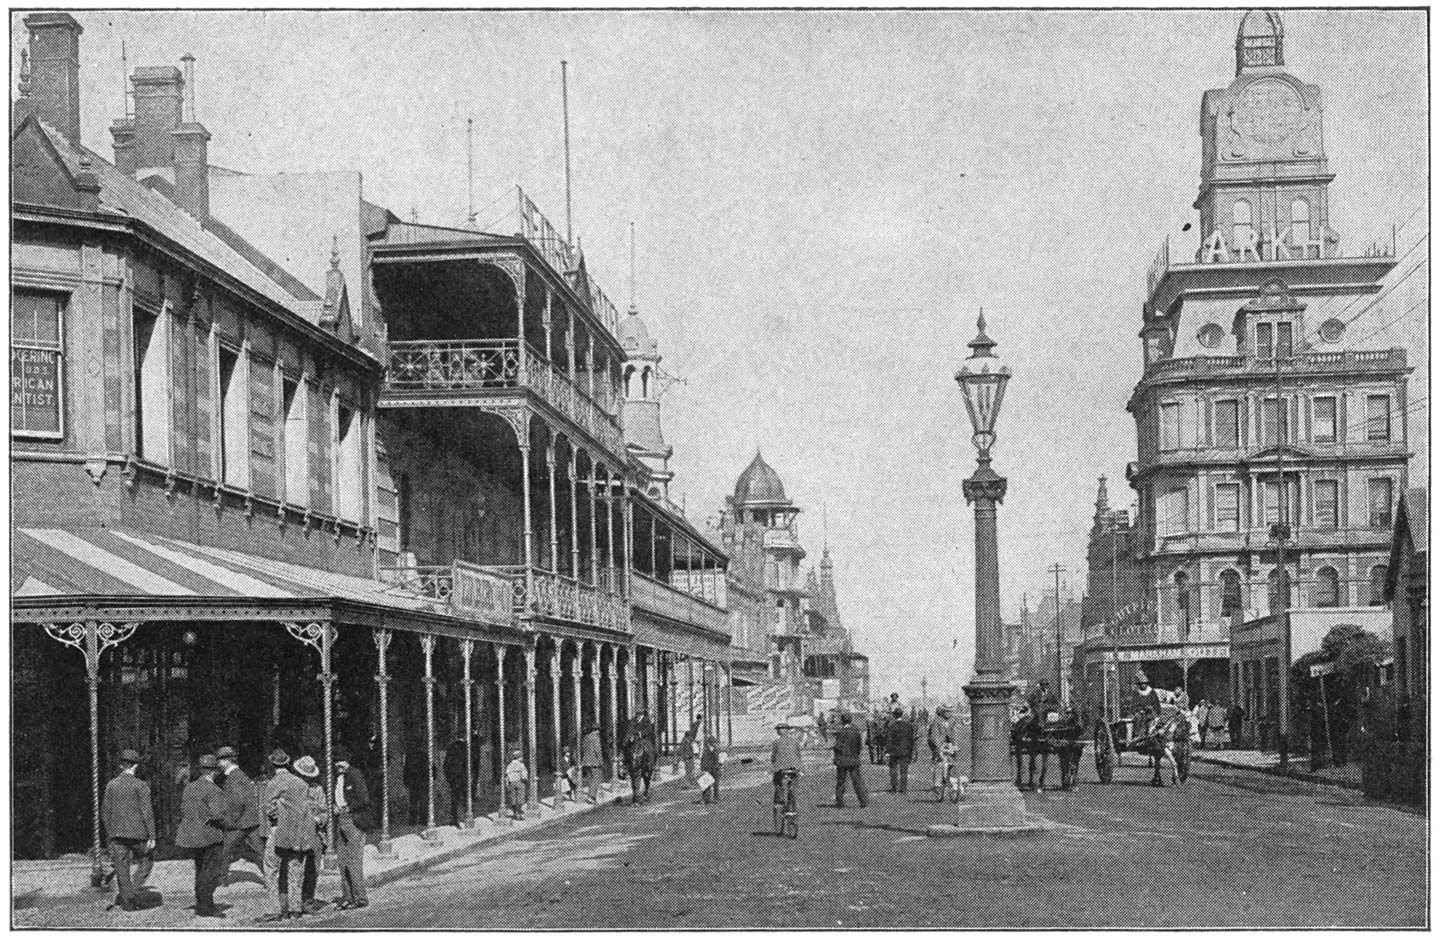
(37, 174)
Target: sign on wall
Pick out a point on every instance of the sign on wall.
(35, 391)
(482, 595)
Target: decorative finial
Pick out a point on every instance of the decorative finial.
(335, 251)
(24, 73)
(982, 343)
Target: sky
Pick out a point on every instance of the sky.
(823, 202)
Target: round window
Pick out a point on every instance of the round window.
(1332, 330)
(1210, 335)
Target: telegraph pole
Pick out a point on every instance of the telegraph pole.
(1113, 713)
(1281, 533)
(1059, 637)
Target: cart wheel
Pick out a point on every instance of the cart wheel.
(1104, 753)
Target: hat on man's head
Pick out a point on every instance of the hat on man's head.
(207, 761)
(944, 708)
(278, 757)
(225, 752)
(897, 712)
(306, 767)
(1141, 678)
(130, 757)
(340, 754)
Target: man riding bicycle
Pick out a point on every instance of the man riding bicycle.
(785, 759)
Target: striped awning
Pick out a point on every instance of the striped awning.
(69, 564)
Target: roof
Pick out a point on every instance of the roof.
(759, 483)
(121, 195)
(635, 337)
(1412, 525)
(61, 562)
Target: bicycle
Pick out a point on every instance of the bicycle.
(785, 811)
(949, 777)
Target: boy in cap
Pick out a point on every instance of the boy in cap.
(129, 823)
(202, 812)
(516, 775)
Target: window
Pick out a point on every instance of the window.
(1377, 584)
(1274, 421)
(1175, 512)
(1242, 231)
(349, 464)
(1227, 424)
(1327, 501)
(1227, 507)
(1182, 602)
(1377, 417)
(234, 431)
(1264, 340)
(1381, 503)
(1229, 592)
(1323, 429)
(37, 365)
(1169, 427)
(1284, 340)
(297, 437)
(405, 509)
(1272, 502)
(152, 388)
(1299, 224)
(1327, 587)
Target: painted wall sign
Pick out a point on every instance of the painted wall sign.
(35, 392)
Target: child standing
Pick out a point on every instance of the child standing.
(516, 775)
(710, 764)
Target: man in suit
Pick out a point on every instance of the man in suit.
(352, 821)
(455, 778)
(293, 834)
(129, 821)
(847, 762)
(242, 814)
(900, 750)
(202, 814)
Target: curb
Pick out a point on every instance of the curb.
(427, 860)
(1295, 774)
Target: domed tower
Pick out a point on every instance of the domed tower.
(766, 519)
(643, 435)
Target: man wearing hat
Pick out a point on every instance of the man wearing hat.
(319, 808)
(202, 814)
(941, 727)
(292, 832)
(352, 820)
(899, 750)
(242, 814)
(129, 821)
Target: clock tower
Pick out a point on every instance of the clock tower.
(1263, 174)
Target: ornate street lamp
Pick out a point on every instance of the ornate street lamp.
(991, 802)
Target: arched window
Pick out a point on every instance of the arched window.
(1327, 587)
(1377, 584)
(645, 383)
(1243, 221)
(1299, 223)
(1182, 601)
(629, 373)
(1229, 592)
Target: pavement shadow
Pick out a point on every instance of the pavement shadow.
(867, 825)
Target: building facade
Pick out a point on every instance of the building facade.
(380, 496)
(1112, 621)
(1269, 406)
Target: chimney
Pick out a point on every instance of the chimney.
(55, 71)
(123, 130)
(157, 114)
(192, 153)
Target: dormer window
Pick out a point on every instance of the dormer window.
(1264, 340)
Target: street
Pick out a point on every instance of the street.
(1229, 848)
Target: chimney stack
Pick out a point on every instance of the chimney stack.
(55, 71)
(123, 130)
(192, 153)
(158, 91)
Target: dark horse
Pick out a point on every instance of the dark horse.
(1030, 737)
(639, 752)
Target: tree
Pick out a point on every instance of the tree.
(1353, 652)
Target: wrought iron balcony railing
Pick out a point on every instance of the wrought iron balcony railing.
(562, 597)
(470, 365)
(677, 604)
(1378, 360)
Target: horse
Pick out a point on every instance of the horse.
(1030, 737)
(640, 755)
(1165, 733)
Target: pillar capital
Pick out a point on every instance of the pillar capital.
(984, 488)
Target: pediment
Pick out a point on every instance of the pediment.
(38, 176)
(1274, 453)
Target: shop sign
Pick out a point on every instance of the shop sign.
(35, 391)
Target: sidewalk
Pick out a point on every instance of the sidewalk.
(1345, 776)
(57, 893)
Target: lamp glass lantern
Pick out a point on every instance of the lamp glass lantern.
(982, 379)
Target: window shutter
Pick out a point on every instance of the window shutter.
(262, 428)
(202, 362)
(319, 461)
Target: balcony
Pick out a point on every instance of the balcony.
(678, 605)
(439, 373)
(561, 597)
(562, 256)
(782, 539)
(497, 594)
(1308, 363)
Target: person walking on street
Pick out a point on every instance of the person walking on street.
(516, 775)
(591, 759)
(455, 775)
(292, 831)
(847, 763)
(1198, 719)
(352, 823)
(1236, 718)
(202, 818)
(242, 821)
(1214, 720)
(129, 820)
(900, 751)
(785, 758)
(942, 727)
(710, 764)
(689, 751)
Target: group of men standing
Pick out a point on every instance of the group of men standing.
(274, 823)
(895, 737)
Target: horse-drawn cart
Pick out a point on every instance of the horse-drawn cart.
(1136, 734)
(1059, 733)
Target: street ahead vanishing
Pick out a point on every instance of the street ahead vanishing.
(1228, 848)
